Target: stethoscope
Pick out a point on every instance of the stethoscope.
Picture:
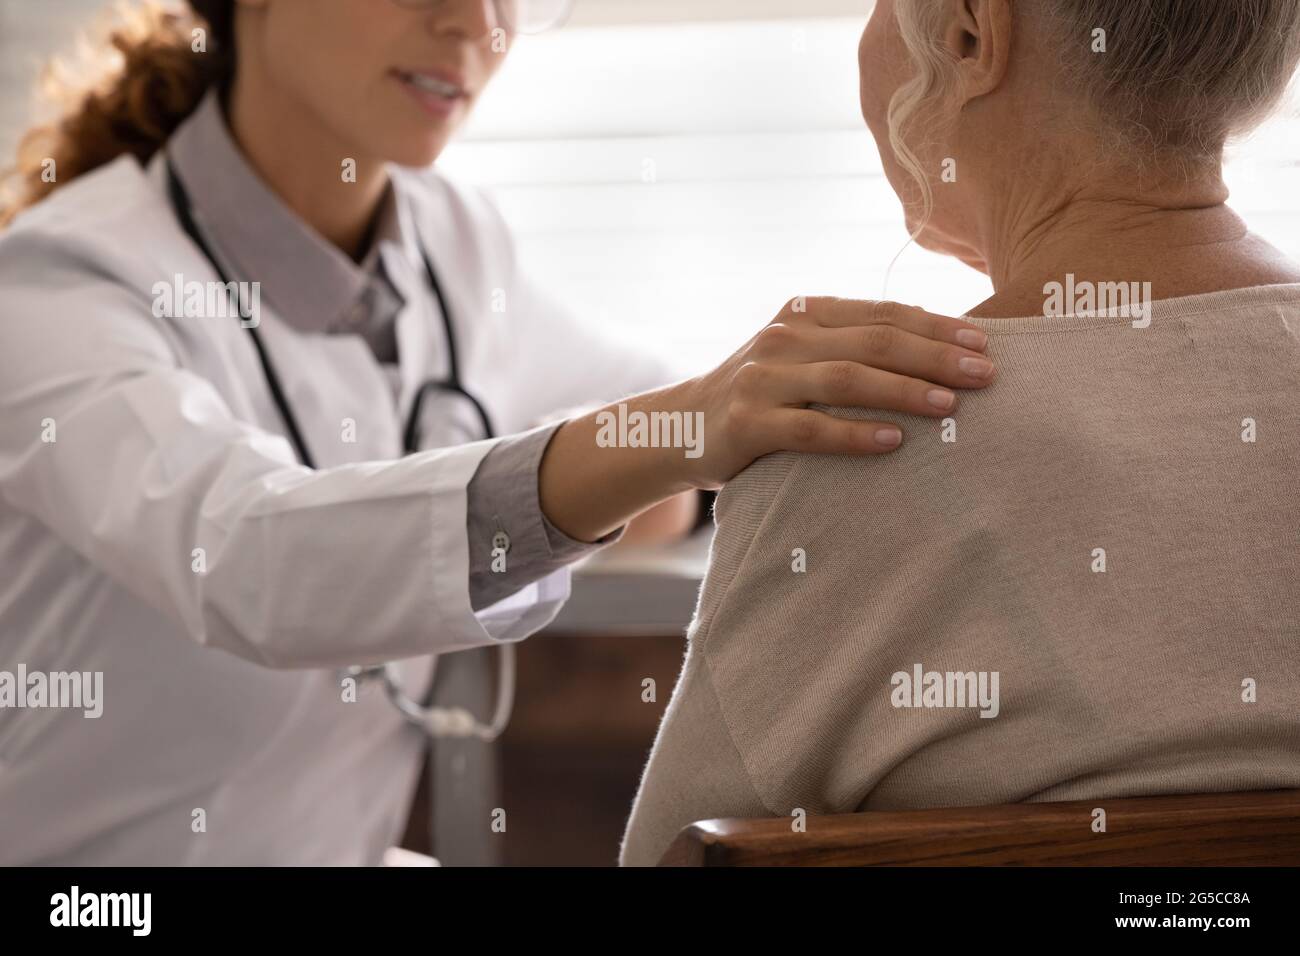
(433, 721)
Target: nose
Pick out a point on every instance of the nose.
(472, 19)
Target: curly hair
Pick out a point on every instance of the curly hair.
(161, 64)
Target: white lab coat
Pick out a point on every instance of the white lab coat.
(221, 693)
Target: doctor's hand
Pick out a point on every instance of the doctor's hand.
(835, 352)
(599, 470)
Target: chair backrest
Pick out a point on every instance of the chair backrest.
(1218, 829)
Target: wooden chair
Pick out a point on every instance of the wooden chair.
(1210, 829)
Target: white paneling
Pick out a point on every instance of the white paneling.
(623, 12)
(744, 157)
(686, 79)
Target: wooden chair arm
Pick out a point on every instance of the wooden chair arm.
(1220, 829)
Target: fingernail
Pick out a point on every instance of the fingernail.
(975, 367)
(940, 398)
(888, 437)
(972, 339)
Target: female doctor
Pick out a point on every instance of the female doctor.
(265, 390)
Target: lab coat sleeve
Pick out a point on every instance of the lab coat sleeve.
(139, 465)
(503, 498)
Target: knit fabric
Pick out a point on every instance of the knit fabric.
(1111, 527)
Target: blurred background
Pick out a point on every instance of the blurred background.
(678, 169)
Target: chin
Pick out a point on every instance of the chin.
(418, 153)
(934, 241)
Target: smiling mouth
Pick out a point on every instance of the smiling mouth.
(431, 85)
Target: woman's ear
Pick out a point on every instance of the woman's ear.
(978, 38)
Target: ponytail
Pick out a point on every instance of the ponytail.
(167, 62)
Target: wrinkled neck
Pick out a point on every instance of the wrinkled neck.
(1108, 226)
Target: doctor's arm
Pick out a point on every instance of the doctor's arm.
(582, 364)
(831, 352)
(669, 520)
(142, 468)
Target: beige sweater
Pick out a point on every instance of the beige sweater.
(1175, 669)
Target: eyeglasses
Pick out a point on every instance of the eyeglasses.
(525, 17)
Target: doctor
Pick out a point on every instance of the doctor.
(265, 406)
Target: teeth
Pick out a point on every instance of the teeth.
(431, 85)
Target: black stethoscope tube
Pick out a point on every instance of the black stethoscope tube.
(184, 210)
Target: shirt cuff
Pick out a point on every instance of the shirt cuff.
(511, 543)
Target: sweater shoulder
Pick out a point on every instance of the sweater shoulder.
(741, 510)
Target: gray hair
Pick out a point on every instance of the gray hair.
(1177, 80)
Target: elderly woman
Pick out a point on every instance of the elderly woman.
(1091, 588)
